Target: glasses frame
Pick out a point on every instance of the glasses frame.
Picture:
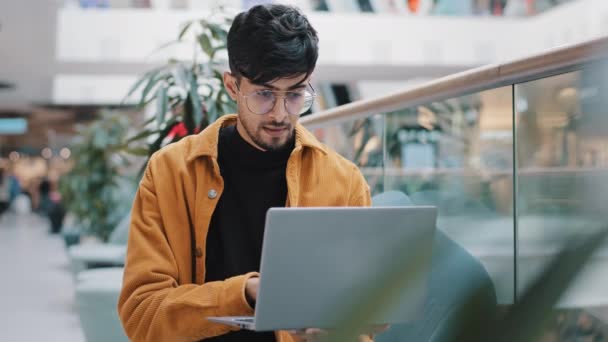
(284, 92)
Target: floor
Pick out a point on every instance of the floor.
(36, 287)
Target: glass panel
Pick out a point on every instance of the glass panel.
(562, 156)
(458, 155)
(362, 142)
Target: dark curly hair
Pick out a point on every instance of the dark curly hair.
(272, 41)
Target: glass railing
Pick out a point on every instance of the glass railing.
(515, 157)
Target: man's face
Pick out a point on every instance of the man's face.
(270, 131)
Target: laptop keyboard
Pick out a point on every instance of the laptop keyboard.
(246, 320)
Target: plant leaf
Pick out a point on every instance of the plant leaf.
(144, 134)
(217, 32)
(212, 109)
(149, 121)
(162, 47)
(205, 44)
(153, 80)
(138, 151)
(184, 30)
(218, 74)
(400, 269)
(138, 84)
(197, 112)
(525, 319)
(180, 75)
(161, 101)
(216, 49)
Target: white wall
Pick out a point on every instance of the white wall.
(352, 46)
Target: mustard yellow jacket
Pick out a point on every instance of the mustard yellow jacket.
(164, 297)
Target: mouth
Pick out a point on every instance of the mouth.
(275, 132)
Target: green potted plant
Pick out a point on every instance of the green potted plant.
(92, 191)
(187, 95)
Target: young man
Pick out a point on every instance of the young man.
(198, 217)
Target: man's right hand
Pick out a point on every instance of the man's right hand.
(251, 290)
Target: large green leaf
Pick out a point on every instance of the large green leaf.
(525, 320)
(401, 269)
(522, 322)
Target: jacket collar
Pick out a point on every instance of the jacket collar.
(205, 143)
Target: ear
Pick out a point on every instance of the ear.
(230, 85)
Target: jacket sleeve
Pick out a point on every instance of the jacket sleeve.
(359, 190)
(152, 305)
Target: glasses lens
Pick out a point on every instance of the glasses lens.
(298, 103)
(261, 102)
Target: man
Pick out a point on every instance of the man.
(198, 217)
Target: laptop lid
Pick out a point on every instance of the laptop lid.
(315, 260)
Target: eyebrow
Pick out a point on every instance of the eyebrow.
(295, 86)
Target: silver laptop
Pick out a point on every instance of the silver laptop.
(316, 262)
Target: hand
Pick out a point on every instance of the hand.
(309, 335)
(314, 334)
(378, 329)
(251, 290)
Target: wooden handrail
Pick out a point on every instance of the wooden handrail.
(549, 63)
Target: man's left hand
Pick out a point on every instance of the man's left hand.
(314, 334)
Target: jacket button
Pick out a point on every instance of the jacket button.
(212, 194)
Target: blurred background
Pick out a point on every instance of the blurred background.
(516, 163)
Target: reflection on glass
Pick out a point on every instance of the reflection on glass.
(457, 155)
(362, 142)
(562, 157)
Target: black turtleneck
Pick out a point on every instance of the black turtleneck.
(254, 181)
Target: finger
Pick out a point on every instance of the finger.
(316, 331)
(376, 329)
(297, 332)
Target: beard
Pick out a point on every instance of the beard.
(257, 133)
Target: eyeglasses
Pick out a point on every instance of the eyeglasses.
(297, 102)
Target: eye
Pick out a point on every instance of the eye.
(295, 95)
(266, 94)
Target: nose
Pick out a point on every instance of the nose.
(279, 111)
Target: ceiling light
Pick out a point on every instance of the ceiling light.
(47, 153)
(14, 156)
(65, 153)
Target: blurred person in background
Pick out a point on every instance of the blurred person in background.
(50, 204)
(4, 191)
(15, 187)
(44, 201)
(198, 218)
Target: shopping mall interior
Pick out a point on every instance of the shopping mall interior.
(492, 111)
